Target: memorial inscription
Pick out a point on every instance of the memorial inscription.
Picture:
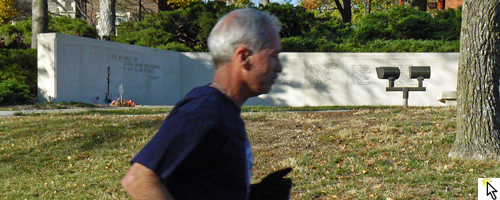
(320, 75)
(360, 75)
(132, 64)
(283, 78)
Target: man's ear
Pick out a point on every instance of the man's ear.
(242, 55)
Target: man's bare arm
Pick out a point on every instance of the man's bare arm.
(142, 183)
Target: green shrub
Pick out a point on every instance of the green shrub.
(332, 29)
(410, 45)
(190, 27)
(404, 22)
(72, 26)
(400, 29)
(13, 92)
(450, 21)
(175, 46)
(18, 36)
(19, 65)
(298, 44)
(296, 21)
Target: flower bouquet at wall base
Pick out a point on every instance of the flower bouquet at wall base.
(122, 103)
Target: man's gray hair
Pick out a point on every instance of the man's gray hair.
(242, 27)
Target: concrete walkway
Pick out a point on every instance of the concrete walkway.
(71, 110)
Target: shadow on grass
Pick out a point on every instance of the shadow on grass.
(54, 140)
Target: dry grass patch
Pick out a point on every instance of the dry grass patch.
(357, 154)
(368, 153)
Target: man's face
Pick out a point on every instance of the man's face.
(265, 66)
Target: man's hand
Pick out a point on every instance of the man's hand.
(274, 186)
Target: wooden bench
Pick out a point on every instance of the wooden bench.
(449, 98)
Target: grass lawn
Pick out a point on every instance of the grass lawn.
(356, 153)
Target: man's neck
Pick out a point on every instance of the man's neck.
(231, 92)
(231, 85)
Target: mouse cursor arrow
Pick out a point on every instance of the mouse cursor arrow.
(490, 190)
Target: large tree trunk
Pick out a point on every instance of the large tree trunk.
(345, 10)
(106, 26)
(40, 20)
(478, 116)
(264, 2)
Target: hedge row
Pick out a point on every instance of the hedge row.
(402, 28)
(18, 75)
(187, 29)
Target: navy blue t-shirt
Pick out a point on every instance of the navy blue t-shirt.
(201, 151)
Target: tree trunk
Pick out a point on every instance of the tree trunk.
(368, 7)
(140, 10)
(478, 116)
(81, 9)
(345, 10)
(441, 4)
(40, 20)
(264, 2)
(163, 5)
(106, 26)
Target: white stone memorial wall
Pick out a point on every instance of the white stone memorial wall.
(75, 69)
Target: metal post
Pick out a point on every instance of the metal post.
(420, 81)
(391, 81)
(405, 97)
(140, 10)
(107, 98)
